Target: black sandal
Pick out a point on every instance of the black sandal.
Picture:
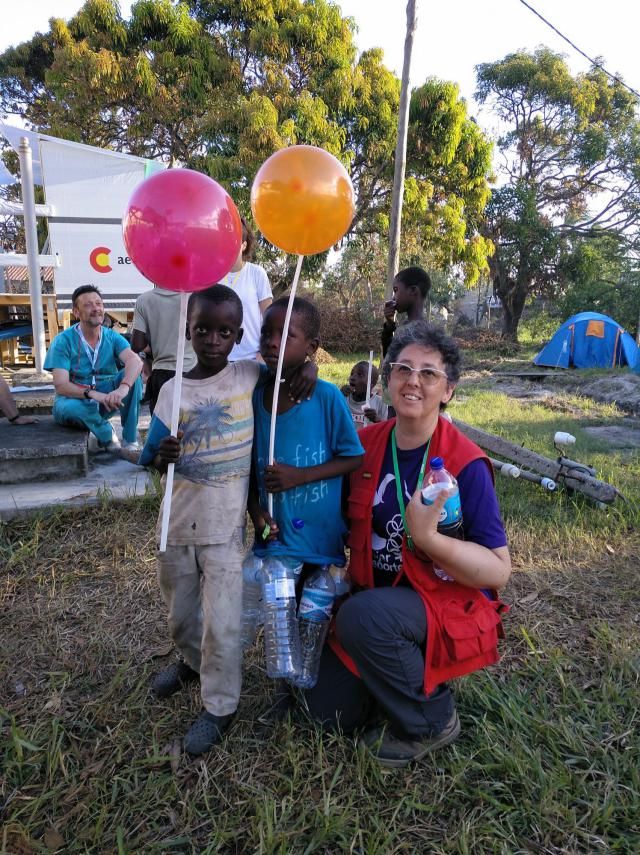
(206, 731)
(173, 678)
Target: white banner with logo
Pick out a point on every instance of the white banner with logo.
(89, 189)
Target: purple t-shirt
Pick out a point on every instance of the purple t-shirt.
(482, 522)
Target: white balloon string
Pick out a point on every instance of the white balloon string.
(276, 388)
(369, 377)
(175, 416)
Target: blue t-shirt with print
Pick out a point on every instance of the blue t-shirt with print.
(67, 351)
(310, 433)
(482, 522)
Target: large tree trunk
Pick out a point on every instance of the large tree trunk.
(513, 294)
(510, 320)
(401, 151)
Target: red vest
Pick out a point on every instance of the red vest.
(462, 623)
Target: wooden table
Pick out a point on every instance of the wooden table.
(15, 323)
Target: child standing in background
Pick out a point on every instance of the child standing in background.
(410, 289)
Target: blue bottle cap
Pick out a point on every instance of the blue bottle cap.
(297, 523)
(436, 463)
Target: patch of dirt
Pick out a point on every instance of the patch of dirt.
(623, 390)
(621, 437)
(521, 389)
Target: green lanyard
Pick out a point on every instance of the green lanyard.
(399, 493)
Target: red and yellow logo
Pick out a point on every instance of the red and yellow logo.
(99, 259)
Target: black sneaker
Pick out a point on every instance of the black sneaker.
(396, 753)
(173, 678)
(206, 731)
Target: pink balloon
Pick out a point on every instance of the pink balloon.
(182, 230)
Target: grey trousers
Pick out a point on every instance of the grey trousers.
(202, 589)
(384, 631)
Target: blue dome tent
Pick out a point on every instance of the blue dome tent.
(590, 340)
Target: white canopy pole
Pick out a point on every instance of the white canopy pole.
(31, 237)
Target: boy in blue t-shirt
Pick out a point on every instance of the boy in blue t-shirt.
(316, 445)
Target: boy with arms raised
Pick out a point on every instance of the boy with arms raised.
(200, 573)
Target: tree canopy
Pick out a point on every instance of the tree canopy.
(219, 86)
(572, 168)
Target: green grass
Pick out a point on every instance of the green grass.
(537, 330)
(549, 757)
(570, 522)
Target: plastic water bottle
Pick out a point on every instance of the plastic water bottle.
(251, 598)
(314, 615)
(436, 481)
(281, 639)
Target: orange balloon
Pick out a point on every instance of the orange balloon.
(302, 199)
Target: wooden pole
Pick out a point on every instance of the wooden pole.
(395, 226)
(567, 472)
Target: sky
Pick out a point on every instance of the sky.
(452, 36)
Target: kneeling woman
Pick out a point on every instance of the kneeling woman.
(408, 627)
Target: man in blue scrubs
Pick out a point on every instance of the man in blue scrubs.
(95, 374)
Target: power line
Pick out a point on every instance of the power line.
(581, 52)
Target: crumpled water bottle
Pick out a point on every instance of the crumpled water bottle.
(314, 616)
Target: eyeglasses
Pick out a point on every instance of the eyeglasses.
(427, 376)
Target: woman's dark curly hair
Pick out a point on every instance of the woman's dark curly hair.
(431, 337)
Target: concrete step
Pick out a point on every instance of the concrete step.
(35, 402)
(41, 452)
(110, 478)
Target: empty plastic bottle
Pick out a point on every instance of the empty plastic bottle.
(281, 639)
(251, 598)
(314, 615)
(436, 480)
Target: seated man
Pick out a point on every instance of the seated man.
(90, 384)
